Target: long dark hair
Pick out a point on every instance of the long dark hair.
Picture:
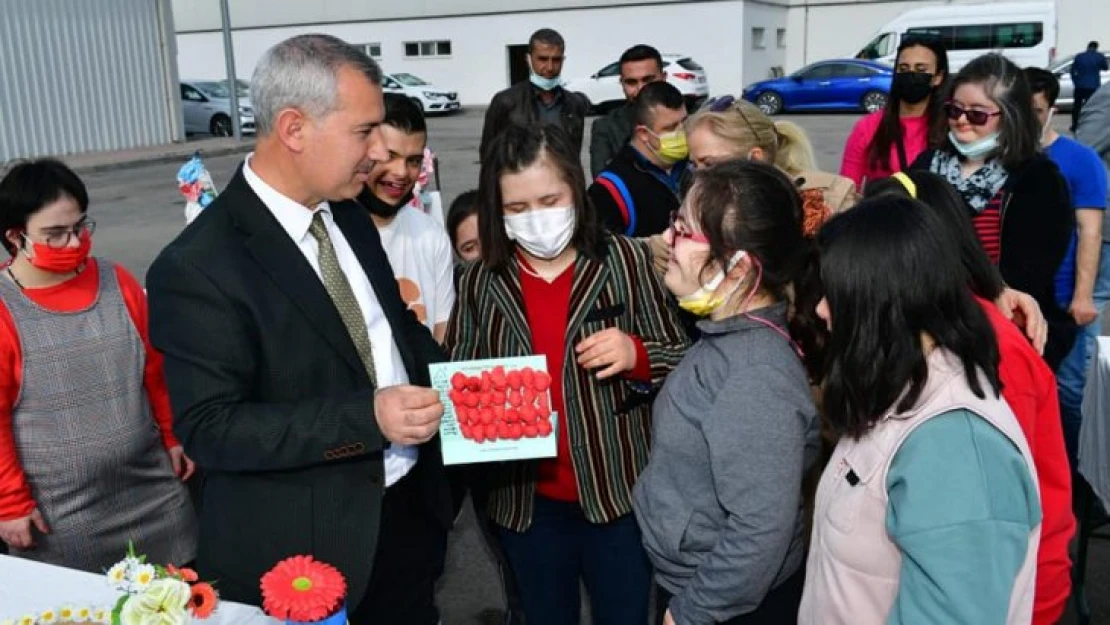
(1005, 84)
(891, 276)
(516, 148)
(752, 206)
(939, 195)
(890, 128)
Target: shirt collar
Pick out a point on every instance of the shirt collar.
(295, 218)
(670, 178)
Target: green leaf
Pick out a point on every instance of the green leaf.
(119, 609)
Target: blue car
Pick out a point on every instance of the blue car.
(846, 84)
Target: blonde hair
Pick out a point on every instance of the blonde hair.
(745, 126)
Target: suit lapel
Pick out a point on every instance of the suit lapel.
(282, 260)
(366, 243)
(589, 278)
(506, 294)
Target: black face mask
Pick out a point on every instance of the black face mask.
(379, 208)
(912, 87)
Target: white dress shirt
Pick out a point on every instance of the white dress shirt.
(296, 219)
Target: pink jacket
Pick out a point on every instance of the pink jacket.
(853, 569)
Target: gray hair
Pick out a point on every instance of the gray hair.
(300, 72)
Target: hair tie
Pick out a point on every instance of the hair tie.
(907, 183)
(815, 211)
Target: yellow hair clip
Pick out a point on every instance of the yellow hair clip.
(907, 182)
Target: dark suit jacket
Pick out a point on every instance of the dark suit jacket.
(517, 105)
(270, 397)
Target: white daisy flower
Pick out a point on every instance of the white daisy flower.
(141, 576)
(118, 577)
(82, 614)
(48, 617)
(66, 613)
(7, 621)
(102, 615)
(27, 619)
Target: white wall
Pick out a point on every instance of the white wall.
(758, 60)
(710, 32)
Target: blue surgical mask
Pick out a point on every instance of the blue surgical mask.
(975, 149)
(545, 84)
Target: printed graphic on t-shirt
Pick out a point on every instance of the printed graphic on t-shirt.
(411, 295)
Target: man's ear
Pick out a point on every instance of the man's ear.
(291, 128)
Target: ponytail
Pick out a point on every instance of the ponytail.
(795, 152)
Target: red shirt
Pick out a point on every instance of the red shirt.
(74, 294)
(1029, 387)
(988, 227)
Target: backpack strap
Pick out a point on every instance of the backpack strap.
(622, 197)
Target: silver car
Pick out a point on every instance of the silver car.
(1062, 70)
(206, 105)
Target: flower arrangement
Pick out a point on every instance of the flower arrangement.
(158, 595)
(301, 590)
(64, 616)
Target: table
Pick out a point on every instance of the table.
(29, 587)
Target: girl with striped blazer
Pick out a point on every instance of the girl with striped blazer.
(551, 282)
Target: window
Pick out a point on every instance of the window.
(372, 50)
(985, 36)
(690, 64)
(780, 38)
(420, 49)
(818, 72)
(850, 70)
(190, 94)
(880, 46)
(757, 38)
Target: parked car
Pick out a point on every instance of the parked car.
(1062, 69)
(845, 84)
(206, 105)
(603, 88)
(428, 97)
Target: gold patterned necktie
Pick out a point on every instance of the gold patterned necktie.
(339, 289)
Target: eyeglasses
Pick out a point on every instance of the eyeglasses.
(59, 239)
(723, 103)
(681, 230)
(974, 117)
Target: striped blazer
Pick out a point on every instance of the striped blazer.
(608, 422)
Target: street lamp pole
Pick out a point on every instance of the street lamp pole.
(232, 83)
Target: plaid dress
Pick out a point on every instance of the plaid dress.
(87, 440)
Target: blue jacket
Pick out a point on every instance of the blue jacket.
(1087, 68)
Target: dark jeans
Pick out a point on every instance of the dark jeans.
(779, 607)
(412, 546)
(560, 548)
(479, 498)
(1079, 98)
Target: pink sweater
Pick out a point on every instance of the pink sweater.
(856, 164)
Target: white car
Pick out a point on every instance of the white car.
(1062, 70)
(603, 89)
(429, 98)
(206, 105)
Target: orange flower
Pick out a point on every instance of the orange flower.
(184, 574)
(203, 600)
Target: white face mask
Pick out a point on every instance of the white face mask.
(543, 233)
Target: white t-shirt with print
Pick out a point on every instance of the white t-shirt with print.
(420, 251)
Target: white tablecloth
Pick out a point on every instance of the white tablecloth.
(1094, 436)
(31, 587)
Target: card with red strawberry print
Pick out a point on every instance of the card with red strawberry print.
(495, 410)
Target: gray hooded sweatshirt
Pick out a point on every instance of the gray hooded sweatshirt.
(720, 502)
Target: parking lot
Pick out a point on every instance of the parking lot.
(139, 210)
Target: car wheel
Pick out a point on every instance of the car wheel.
(220, 126)
(418, 103)
(873, 101)
(769, 102)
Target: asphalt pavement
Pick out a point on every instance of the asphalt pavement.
(139, 210)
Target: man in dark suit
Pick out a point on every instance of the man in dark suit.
(296, 373)
(541, 98)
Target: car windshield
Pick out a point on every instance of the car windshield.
(689, 64)
(409, 80)
(219, 89)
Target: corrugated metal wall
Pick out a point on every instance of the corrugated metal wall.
(84, 75)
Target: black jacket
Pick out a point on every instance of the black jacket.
(608, 135)
(517, 104)
(270, 398)
(652, 200)
(1038, 223)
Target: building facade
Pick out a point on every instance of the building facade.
(468, 46)
(86, 75)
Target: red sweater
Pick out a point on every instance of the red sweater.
(15, 493)
(857, 158)
(547, 309)
(1029, 387)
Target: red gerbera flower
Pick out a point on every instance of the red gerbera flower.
(202, 601)
(184, 574)
(302, 589)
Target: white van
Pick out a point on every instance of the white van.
(1023, 31)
